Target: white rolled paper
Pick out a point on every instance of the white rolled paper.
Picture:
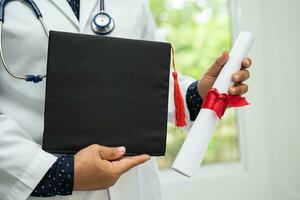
(191, 154)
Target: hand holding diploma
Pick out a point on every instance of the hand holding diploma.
(209, 78)
(214, 86)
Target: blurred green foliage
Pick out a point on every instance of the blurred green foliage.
(199, 30)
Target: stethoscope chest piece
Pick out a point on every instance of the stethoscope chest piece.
(103, 23)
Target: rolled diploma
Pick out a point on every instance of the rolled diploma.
(191, 154)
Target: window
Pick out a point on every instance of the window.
(199, 30)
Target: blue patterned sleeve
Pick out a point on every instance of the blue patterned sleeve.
(194, 101)
(58, 180)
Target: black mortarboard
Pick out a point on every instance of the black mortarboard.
(107, 91)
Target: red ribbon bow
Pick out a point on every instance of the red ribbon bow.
(218, 102)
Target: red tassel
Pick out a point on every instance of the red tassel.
(180, 115)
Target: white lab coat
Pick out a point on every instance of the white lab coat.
(22, 161)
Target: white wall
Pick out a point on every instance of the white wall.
(274, 92)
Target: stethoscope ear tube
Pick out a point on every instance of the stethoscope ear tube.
(30, 2)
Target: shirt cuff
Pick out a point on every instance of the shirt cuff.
(58, 180)
(194, 101)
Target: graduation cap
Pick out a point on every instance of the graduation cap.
(108, 91)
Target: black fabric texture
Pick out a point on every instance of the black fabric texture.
(59, 179)
(193, 100)
(108, 91)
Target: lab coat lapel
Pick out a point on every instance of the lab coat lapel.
(67, 10)
(86, 9)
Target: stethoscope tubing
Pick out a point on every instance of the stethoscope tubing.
(101, 30)
(6, 67)
(102, 8)
(33, 78)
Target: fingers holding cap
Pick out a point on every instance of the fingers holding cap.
(126, 163)
(111, 153)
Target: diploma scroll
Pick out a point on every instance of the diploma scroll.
(193, 149)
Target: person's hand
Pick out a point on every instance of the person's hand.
(98, 167)
(209, 78)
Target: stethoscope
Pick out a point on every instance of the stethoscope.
(102, 24)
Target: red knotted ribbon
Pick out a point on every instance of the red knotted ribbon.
(218, 102)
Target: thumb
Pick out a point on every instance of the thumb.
(127, 163)
(217, 66)
(111, 153)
